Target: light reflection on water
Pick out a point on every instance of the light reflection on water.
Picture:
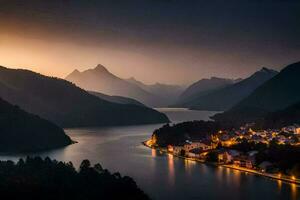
(294, 191)
(171, 169)
(165, 176)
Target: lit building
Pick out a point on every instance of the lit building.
(194, 145)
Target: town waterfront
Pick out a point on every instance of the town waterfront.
(165, 176)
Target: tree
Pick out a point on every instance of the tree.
(85, 165)
(98, 168)
(37, 178)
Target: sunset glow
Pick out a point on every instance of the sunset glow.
(43, 42)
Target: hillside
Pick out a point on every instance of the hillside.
(276, 94)
(225, 98)
(117, 99)
(178, 134)
(281, 118)
(66, 104)
(23, 132)
(201, 88)
(99, 79)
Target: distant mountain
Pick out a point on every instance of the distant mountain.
(167, 93)
(117, 99)
(201, 88)
(225, 98)
(22, 132)
(276, 94)
(99, 79)
(66, 104)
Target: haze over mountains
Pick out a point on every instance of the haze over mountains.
(117, 99)
(168, 94)
(68, 105)
(274, 95)
(201, 88)
(22, 132)
(99, 79)
(229, 92)
(267, 96)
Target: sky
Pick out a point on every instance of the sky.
(168, 41)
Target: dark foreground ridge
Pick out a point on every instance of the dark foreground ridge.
(22, 132)
(37, 178)
(274, 95)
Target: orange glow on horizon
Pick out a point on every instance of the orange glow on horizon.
(60, 57)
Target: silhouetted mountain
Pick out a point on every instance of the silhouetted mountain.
(225, 98)
(276, 94)
(201, 88)
(66, 104)
(279, 119)
(101, 80)
(117, 99)
(167, 93)
(22, 132)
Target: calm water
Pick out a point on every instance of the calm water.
(164, 176)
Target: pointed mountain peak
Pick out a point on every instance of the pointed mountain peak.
(267, 70)
(74, 73)
(135, 81)
(100, 67)
(217, 78)
(263, 72)
(132, 79)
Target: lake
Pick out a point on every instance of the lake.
(164, 176)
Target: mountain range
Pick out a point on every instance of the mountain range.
(276, 94)
(23, 132)
(99, 79)
(168, 94)
(202, 88)
(227, 96)
(67, 105)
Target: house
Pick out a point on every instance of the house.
(194, 145)
(197, 153)
(170, 148)
(257, 138)
(281, 139)
(291, 129)
(224, 157)
(243, 161)
(262, 133)
(177, 150)
(227, 156)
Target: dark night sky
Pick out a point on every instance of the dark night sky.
(175, 41)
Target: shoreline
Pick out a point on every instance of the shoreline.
(242, 169)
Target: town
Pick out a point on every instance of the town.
(222, 149)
